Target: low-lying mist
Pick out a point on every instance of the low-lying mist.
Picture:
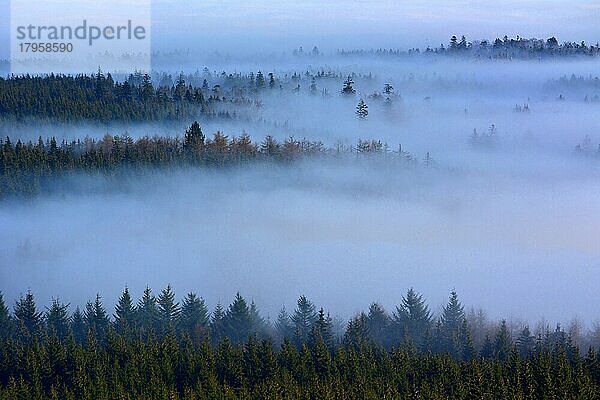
(517, 244)
(510, 224)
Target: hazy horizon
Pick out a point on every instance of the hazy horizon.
(262, 26)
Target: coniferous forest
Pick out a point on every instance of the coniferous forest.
(467, 170)
(159, 347)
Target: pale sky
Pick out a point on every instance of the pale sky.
(285, 24)
(374, 23)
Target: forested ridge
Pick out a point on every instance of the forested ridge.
(160, 348)
(99, 97)
(504, 48)
(31, 168)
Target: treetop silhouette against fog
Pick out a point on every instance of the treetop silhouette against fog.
(185, 354)
(30, 168)
(501, 48)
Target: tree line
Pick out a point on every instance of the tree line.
(501, 48)
(99, 97)
(159, 348)
(31, 168)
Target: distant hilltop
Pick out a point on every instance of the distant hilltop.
(505, 48)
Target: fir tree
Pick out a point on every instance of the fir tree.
(388, 89)
(193, 140)
(467, 348)
(487, 349)
(125, 313)
(78, 326)
(95, 318)
(503, 342)
(258, 325)
(5, 319)
(147, 313)
(168, 310)
(26, 314)
(525, 343)
(323, 330)
(283, 326)
(358, 334)
(270, 147)
(303, 319)
(180, 88)
(313, 86)
(58, 321)
(194, 318)
(378, 325)
(217, 324)
(260, 80)
(450, 323)
(348, 86)
(362, 110)
(237, 321)
(271, 80)
(413, 318)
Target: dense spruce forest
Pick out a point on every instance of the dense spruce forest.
(160, 348)
(162, 96)
(28, 169)
(99, 97)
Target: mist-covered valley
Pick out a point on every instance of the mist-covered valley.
(327, 199)
(498, 202)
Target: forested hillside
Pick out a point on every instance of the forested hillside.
(99, 97)
(28, 169)
(161, 348)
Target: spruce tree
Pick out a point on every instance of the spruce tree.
(193, 318)
(357, 333)
(525, 343)
(503, 343)
(95, 318)
(147, 313)
(125, 314)
(467, 348)
(378, 325)
(217, 324)
(258, 325)
(270, 147)
(58, 321)
(271, 80)
(283, 326)
(450, 324)
(180, 88)
(168, 310)
(78, 326)
(347, 87)
(313, 86)
(323, 330)
(237, 321)
(303, 319)
(147, 89)
(26, 314)
(413, 319)
(388, 89)
(5, 319)
(193, 140)
(260, 80)
(487, 349)
(362, 110)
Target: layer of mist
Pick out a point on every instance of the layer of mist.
(509, 223)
